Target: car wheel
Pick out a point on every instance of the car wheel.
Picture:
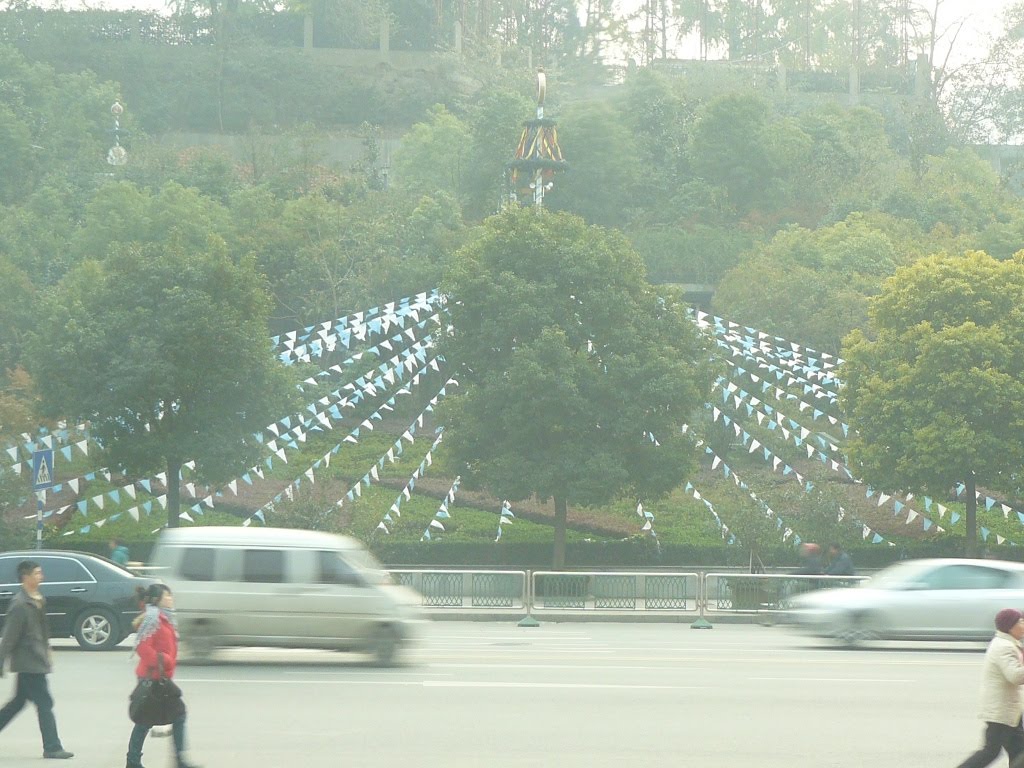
(96, 630)
(200, 642)
(385, 647)
(858, 630)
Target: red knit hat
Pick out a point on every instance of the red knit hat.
(1006, 618)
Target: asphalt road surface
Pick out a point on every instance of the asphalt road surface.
(571, 695)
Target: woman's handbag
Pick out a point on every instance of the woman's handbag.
(155, 702)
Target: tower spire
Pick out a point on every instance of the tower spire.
(538, 156)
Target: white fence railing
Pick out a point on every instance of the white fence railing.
(697, 593)
(614, 592)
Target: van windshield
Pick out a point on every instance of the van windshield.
(368, 565)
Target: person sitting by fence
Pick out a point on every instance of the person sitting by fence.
(839, 562)
(810, 560)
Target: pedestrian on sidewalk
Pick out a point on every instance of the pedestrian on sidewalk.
(156, 643)
(26, 642)
(1001, 677)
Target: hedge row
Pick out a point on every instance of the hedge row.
(638, 553)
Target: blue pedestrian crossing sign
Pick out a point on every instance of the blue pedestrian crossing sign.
(42, 469)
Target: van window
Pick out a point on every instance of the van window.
(197, 564)
(368, 566)
(334, 570)
(265, 566)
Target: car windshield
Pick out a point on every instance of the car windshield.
(370, 569)
(897, 576)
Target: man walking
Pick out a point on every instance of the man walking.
(26, 642)
(1002, 676)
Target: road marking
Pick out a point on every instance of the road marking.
(584, 686)
(512, 665)
(539, 654)
(456, 684)
(833, 679)
(491, 638)
(312, 681)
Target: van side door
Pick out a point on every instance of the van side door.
(345, 600)
(265, 609)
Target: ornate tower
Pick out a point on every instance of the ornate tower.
(538, 157)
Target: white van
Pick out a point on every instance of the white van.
(284, 588)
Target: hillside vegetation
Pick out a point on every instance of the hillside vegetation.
(795, 211)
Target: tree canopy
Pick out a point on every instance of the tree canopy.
(163, 349)
(813, 283)
(934, 389)
(577, 376)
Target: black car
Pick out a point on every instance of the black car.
(88, 597)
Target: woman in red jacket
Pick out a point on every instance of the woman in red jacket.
(156, 643)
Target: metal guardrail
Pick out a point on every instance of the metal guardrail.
(615, 591)
(764, 592)
(654, 592)
(467, 589)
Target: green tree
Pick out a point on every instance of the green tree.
(433, 155)
(956, 189)
(50, 124)
(811, 285)
(17, 302)
(494, 124)
(604, 165)
(570, 363)
(851, 162)
(761, 159)
(323, 259)
(35, 233)
(164, 350)
(122, 213)
(937, 397)
(660, 117)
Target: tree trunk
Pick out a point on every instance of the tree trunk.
(561, 514)
(971, 503)
(173, 492)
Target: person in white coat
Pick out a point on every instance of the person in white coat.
(1002, 676)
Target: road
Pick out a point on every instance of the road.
(572, 695)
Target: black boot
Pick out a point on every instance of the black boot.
(183, 763)
(130, 764)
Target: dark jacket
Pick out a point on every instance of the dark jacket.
(841, 565)
(26, 640)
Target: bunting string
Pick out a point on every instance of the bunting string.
(505, 517)
(443, 512)
(362, 330)
(289, 340)
(351, 437)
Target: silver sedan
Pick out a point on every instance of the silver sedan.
(937, 599)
